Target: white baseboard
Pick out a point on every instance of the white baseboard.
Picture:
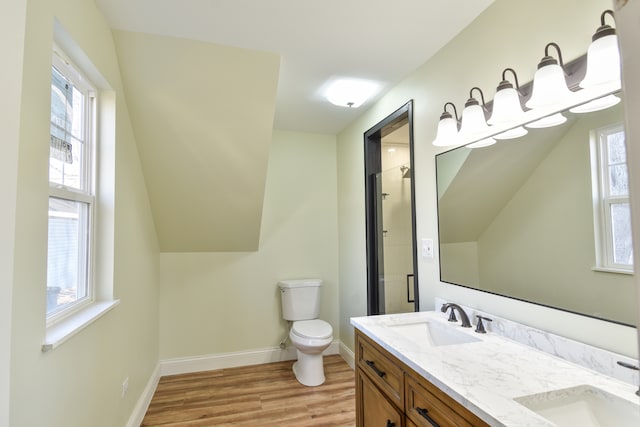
(145, 399)
(348, 356)
(212, 362)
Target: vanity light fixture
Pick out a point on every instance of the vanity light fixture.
(350, 93)
(473, 119)
(447, 128)
(547, 122)
(482, 143)
(549, 83)
(603, 66)
(474, 122)
(596, 104)
(507, 108)
(603, 56)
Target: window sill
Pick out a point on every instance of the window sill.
(65, 329)
(612, 270)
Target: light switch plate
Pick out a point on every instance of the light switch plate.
(427, 248)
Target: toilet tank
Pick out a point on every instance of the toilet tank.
(300, 299)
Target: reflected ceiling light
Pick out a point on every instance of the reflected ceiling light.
(482, 143)
(447, 128)
(507, 108)
(549, 84)
(547, 122)
(596, 104)
(473, 120)
(603, 56)
(350, 92)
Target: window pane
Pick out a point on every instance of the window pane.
(621, 228)
(617, 150)
(66, 151)
(618, 180)
(67, 252)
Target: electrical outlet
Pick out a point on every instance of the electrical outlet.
(125, 386)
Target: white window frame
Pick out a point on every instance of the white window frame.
(602, 201)
(88, 194)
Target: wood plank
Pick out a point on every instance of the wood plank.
(258, 395)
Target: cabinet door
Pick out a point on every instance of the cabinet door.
(374, 409)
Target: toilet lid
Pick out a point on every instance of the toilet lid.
(314, 329)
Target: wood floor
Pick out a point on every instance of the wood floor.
(261, 395)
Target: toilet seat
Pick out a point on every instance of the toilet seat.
(312, 329)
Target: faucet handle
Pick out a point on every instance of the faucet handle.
(452, 315)
(480, 326)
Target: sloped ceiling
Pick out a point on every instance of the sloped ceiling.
(483, 180)
(203, 118)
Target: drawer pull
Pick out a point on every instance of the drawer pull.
(390, 424)
(373, 366)
(425, 415)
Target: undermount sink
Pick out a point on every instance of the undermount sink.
(583, 406)
(431, 333)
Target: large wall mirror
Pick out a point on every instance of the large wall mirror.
(520, 218)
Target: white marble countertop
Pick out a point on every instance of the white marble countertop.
(485, 376)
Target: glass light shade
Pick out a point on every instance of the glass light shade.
(482, 143)
(549, 87)
(473, 121)
(596, 104)
(350, 92)
(506, 108)
(603, 62)
(447, 134)
(547, 122)
(512, 133)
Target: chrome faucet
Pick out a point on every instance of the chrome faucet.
(452, 316)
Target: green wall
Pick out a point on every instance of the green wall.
(510, 33)
(79, 383)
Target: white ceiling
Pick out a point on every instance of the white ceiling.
(378, 40)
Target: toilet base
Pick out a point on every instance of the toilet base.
(309, 369)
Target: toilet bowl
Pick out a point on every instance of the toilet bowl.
(309, 335)
(310, 338)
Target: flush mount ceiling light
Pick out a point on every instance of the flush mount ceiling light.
(549, 84)
(447, 128)
(350, 93)
(506, 107)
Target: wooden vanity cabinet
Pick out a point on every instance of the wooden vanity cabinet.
(390, 394)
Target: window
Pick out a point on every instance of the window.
(71, 191)
(611, 202)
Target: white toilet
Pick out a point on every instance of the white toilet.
(309, 335)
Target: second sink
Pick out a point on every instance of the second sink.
(583, 406)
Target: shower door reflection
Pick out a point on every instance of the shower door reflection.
(396, 221)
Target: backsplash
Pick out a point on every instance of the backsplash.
(597, 359)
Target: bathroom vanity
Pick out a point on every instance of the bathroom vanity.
(391, 393)
(418, 369)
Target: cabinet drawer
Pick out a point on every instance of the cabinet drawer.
(428, 406)
(376, 410)
(385, 373)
